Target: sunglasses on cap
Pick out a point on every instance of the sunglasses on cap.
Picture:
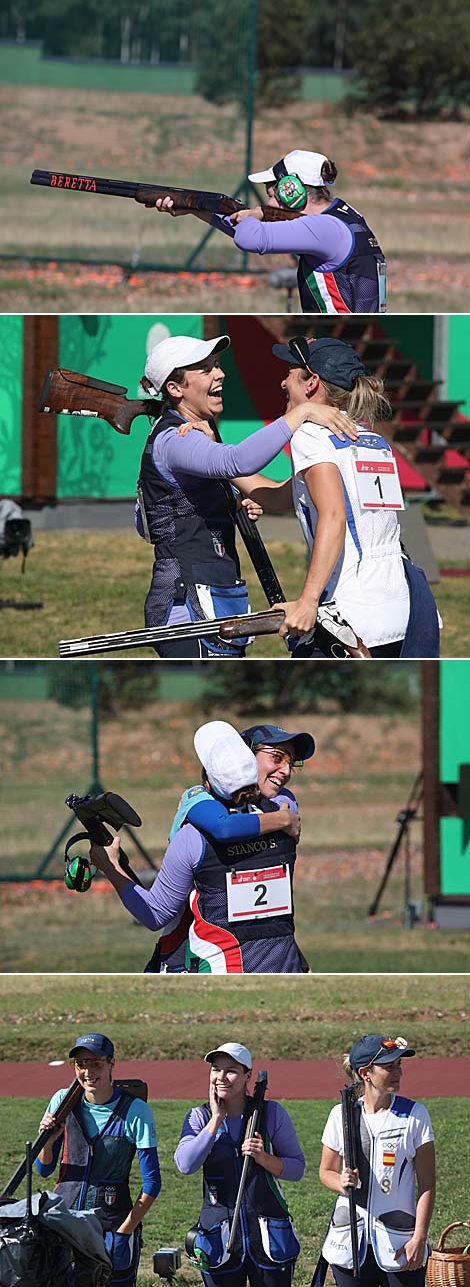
(398, 1043)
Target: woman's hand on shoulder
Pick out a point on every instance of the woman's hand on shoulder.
(323, 415)
(201, 425)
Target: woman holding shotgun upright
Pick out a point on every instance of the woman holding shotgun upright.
(187, 503)
(394, 1179)
(215, 1137)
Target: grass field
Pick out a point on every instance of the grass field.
(178, 1204)
(180, 1018)
(349, 796)
(385, 170)
(294, 1018)
(70, 574)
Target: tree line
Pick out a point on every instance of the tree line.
(404, 59)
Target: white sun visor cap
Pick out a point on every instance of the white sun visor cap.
(179, 350)
(235, 1050)
(228, 762)
(306, 165)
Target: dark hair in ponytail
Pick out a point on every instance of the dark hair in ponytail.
(328, 174)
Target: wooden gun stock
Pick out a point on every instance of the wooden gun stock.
(147, 194)
(67, 393)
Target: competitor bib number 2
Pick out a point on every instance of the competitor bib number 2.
(377, 481)
(255, 894)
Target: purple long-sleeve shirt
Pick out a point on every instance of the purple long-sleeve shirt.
(178, 457)
(197, 1142)
(323, 238)
(156, 906)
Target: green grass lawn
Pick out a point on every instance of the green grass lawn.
(179, 1018)
(96, 582)
(310, 1204)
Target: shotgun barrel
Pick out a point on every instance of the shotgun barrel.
(253, 623)
(258, 1097)
(347, 1101)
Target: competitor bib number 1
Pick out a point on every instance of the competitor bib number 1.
(255, 894)
(377, 480)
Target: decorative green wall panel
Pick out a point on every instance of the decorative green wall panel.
(11, 397)
(459, 360)
(94, 460)
(454, 751)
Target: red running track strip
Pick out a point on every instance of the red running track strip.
(287, 1079)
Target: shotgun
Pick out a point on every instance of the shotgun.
(258, 1097)
(253, 623)
(348, 1096)
(94, 812)
(69, 1102)
(146, 194)
(67, 392)
(135, 1087)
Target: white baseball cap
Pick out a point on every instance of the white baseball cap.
(235, 1050)
(228, 761)
(179, 350)
(306, 165)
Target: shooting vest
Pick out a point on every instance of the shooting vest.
(385, 1200)
(220, 941)
(265, 1230)
(95, 1173)
(358, 285)
(193, 529)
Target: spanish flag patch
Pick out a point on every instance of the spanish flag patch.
(389, 1159)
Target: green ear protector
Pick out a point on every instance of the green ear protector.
(79, 871)
(289, 189)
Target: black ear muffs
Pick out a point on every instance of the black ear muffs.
(289, 189)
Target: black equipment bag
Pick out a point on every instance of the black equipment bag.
(33, 1256)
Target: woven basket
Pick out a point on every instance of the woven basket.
(449, 1268)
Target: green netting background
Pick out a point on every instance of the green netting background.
(46, 731)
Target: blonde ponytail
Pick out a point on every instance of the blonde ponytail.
(365, 403)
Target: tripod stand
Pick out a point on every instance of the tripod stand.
(403, 820)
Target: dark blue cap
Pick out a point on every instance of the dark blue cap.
(375, 1049)
(272, 735)
(333, 360)
(96, 1043)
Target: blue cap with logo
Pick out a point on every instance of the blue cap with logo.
(96, 1043)
(272, 735)
(375, 1049)
(333, 360)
